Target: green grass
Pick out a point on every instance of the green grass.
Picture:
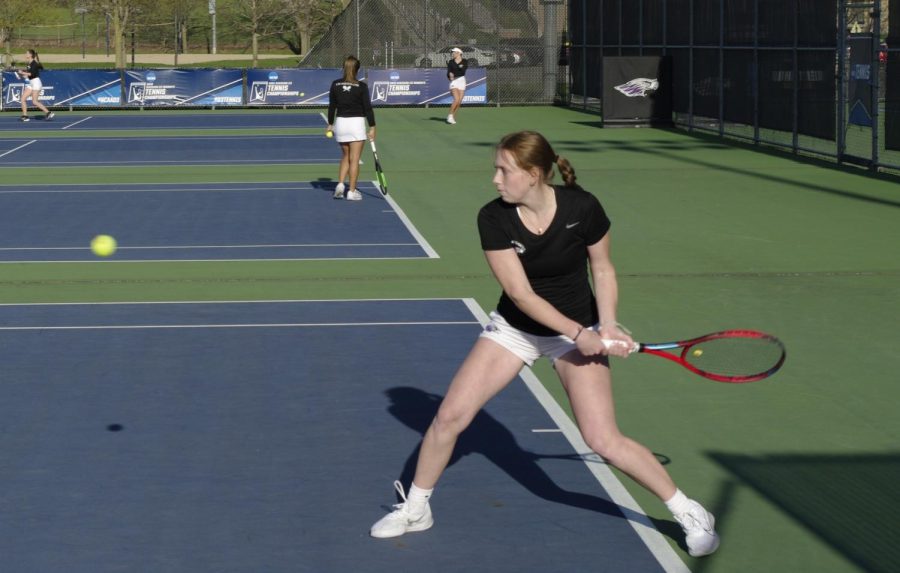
(706, 235)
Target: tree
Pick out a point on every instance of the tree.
(121, 13)
(256, 18)
(305, 20)
(15, 14)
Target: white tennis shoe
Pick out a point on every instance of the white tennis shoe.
(339, 191)
(699, 529)
(401, 521)
(450, 119)
(354, 195)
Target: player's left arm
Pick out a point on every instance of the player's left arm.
(606, 290)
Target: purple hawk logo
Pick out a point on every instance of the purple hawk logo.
(638, 87)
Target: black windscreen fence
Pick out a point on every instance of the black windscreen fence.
(738, 83)
(892, 75)
(774, 70)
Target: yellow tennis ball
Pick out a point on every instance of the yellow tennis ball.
(698, 352)
(103, 245)
(302, 94)
(329, 133)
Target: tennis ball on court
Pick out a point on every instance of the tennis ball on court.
(698, 352)
(329, 133)
(103, 245)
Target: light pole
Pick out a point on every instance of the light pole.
(212, 13)
(82, 10)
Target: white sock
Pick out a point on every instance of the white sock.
(679, 503)
(417, 498)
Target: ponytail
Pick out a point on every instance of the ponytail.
(566, 171)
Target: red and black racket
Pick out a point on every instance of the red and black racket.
(735, 356)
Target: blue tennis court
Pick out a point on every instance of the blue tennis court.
(264, 436)
(215, 221)
(143, 151)
(151, 120)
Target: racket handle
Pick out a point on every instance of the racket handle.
(609, 343)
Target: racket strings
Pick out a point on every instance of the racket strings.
(737, 357)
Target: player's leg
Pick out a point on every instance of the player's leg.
(36, 98)
(486, 370)
(343, 170)
(355, 152)
(588, 384)
(454, 106)
(26, 93)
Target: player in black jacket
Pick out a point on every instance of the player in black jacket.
(540, 240)
(456, 73)
(349, 108)
(33, 86)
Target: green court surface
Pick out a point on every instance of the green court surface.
(801, 469)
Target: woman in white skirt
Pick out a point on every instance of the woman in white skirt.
(33, 87)
(456, 73)
(349, 108)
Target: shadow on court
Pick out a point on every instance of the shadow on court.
(850, 501)
(491, 439)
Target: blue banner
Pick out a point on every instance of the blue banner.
(184, 87)
(100, 88)
(290, 86)
(420, 86)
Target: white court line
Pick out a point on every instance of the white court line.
(18, 148)
(423, 242)
(261, 325)
(79, 121)
(186, 247)
(643, 526)
(154, 189)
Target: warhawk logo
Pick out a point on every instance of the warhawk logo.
(638, 87)
(519, 247)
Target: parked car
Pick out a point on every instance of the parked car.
(477, 57)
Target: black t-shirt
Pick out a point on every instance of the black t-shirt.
(347, 99)
(458, 70)
(556, 262)
(34, 68)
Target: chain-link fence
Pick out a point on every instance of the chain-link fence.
(817, 76)
(516, 41)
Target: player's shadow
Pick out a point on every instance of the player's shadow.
(490, 438)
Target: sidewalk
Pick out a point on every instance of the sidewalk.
(165, 59)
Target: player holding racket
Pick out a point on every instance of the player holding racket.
(33, 87)
(539, 240)
(456, 73)
(349, 108)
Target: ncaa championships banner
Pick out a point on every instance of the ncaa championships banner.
(290, 86)
(184, 87)
(421, 86)
(100, 88)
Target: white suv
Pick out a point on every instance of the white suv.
(476, 57)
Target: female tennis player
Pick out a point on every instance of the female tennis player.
(539, 241)
(456, 73)
(349, 100)
(33, 87)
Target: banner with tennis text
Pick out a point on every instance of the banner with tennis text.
(194, 87)
(290, 86)
(415, 86)
(97, 88)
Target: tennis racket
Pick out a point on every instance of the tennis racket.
(735, 356)
(382, 181)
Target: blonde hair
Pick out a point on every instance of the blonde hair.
(531, 150)
(351, 69)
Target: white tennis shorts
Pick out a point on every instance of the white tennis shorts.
(36, 85)
(347, 129)
(527, 347)
(458, 84)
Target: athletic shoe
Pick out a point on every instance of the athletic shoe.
(339, 191)
(400, 521)
(49, 116)
(354, 195)
(25, 118)
(699, 529)
(450, 119)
